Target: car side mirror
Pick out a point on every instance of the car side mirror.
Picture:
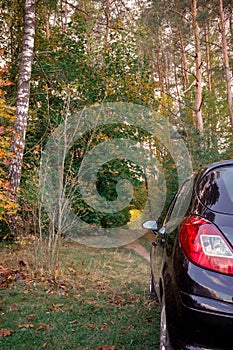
(150, 225)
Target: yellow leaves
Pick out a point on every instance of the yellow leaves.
(7, 114)
(36, 149)
(6, 111)
(134, 213)
(7, 206)
(10, 205)
(57, 272)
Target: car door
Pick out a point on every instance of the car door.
(164, 240)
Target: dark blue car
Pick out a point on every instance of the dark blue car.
(192, 263)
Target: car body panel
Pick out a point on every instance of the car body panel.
(199, 302)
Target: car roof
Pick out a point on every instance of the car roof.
(203, 171)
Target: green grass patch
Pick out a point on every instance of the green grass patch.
(99, 297)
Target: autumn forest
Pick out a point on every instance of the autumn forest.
(60, 57)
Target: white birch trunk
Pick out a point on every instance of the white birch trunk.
(23, 94)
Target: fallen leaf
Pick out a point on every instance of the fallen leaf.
(31, 317)
(73, 322)
(5, 332)
(64, 287)
(49, 291)
(52, 308)
(91, 325)
(106, 347)
(42, 326)
(105, 325)
(26, 325)
(71, 270)
(56, 307)
(132, 326)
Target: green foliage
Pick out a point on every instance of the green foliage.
(85, 62)
(11, 25)
(216, 141)
(71, 72)
(107, 178)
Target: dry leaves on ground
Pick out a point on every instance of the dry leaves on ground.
(5, 332)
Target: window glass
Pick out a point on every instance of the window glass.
(215, 190)
(179, 205)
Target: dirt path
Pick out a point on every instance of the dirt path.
(139, 249)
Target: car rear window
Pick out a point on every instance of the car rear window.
(215, 190)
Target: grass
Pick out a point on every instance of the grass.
(96, 298)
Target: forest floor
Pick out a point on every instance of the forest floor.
(97, 299)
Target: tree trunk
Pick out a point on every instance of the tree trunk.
(208, 66)
(183, 62)
(46, 19)
(198, 62)
(63, 16)
(174, 66)
(160, 71)
(107, 15)
(226, 61)
(23, 94)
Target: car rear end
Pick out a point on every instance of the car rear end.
(203, 270)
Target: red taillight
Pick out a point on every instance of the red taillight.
(204, 245)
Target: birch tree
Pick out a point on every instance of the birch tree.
(23, 94)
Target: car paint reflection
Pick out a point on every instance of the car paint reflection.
(218, 281)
